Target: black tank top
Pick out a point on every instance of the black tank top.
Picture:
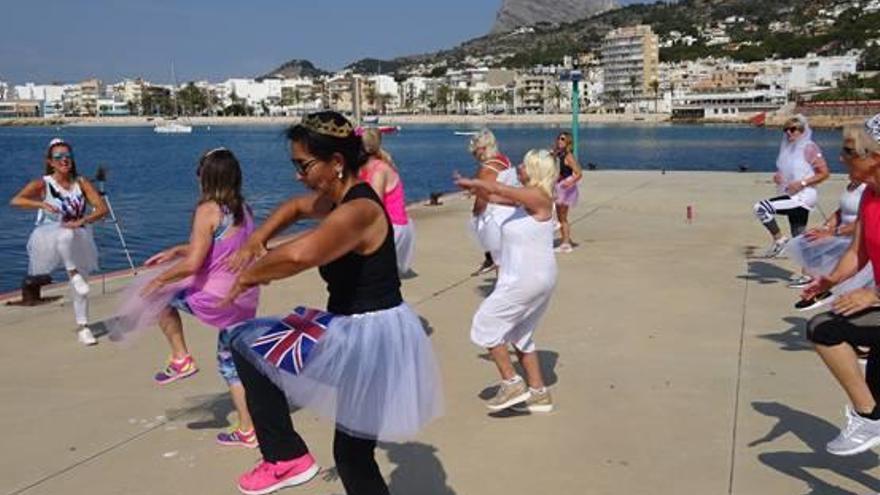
(361, 283)
(564, 170)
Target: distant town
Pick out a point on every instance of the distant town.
(625, 76)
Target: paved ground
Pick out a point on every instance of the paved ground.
(676, 360)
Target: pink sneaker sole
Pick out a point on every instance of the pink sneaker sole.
(299, 479)
(166, 379)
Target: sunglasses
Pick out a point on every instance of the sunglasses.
(303, 168)
(791, 129)
(848, 152)
(61, 156)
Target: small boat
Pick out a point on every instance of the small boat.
(172, 128)
(759, 120)
(465, 133)
(370, 119)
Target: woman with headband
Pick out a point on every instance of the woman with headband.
(193, 278)
(365, 363)
(63, 236)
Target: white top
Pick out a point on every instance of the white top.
(793, 166)
(849, 204)
(527, 260)
(70, 202)
(501, 212)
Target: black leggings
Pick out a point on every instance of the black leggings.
(861, 330)
(355, 457)
(765, 211)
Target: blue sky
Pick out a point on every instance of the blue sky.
(58, 40)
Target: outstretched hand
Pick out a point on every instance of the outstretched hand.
(816, 287)
(161, 257)
(247, 253)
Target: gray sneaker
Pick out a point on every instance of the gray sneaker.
(859, 434)
(536, 403)
(776, 248)
(508, 394)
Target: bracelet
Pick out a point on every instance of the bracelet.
(803, 183)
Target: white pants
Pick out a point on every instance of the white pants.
(80, 306)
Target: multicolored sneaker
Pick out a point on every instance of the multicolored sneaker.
(238, 438)
(176, 370)
(266, 477)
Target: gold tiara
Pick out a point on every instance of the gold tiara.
(314, 123)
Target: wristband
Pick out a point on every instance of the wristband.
(804, 183)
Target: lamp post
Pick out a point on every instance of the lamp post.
(575, 77)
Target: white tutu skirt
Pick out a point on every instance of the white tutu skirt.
(374, 374)
(47, 242)
(864, 278)
(817, 257)
(404, 244)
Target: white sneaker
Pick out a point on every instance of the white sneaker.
(776, 248)
(86, 337)
(564, 248)
(859, 434)
(80, 285)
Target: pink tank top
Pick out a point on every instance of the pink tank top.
(394, 200)
(870, 215)
(213, 280)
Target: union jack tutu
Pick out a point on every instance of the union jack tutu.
(374, 373)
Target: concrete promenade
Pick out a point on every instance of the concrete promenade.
(675, 358)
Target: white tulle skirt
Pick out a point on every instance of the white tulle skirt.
(374, 374)
(51, 243)
(404, 244)
(817, 257)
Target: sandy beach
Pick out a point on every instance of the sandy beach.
(676, 360)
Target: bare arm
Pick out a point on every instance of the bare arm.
(578, 172)
(535, 201)
(205, 221)
(487, 174)
(853, 259)
(379, 181)
(99, 206)
(31, 197)
(356, 226)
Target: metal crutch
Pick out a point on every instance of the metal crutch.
(101, 178)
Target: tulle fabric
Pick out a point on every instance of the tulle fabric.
(45, 256)
(374, 374)
(136, 313)
(567, 196)
(817, 257)
(404, 244)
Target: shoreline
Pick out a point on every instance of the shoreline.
(773, 120)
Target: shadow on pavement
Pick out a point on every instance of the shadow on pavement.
(794, 337)
(764, 273)
(814, 432)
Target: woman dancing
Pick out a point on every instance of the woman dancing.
(63, 236)
(366, 362)
(510, 315)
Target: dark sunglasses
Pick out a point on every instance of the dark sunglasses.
(61, 155)
(791, 129)
(848, 152)
(303, 168)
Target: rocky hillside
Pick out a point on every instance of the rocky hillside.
(296, 68)
(517, 13)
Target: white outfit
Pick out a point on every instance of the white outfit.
(487, 225)
(525, 283)
(404, 245)
(793, 167)
(52, 246)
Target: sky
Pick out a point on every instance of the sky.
(70, 40)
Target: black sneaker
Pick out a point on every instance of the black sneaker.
(488, 265)
(819, 300)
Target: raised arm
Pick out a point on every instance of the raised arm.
(487, 174)
(205, 221)
(535, 201)
(31, 197)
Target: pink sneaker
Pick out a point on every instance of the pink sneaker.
(237, 437)
(266, 477)
(176, 370)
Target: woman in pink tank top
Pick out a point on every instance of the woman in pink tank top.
(379, 171)
(194, 278)
(852, 324)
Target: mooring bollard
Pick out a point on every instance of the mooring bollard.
(690, 214)
(30, 289)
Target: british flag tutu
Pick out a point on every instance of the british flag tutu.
(374, 374)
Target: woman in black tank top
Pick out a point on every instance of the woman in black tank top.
(372, 370)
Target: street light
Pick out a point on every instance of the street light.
(575, 77)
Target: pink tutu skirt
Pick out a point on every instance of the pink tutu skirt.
(567, 196)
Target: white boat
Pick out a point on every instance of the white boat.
(172, 128)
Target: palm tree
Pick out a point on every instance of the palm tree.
(655, 88)
(556, 94)
(522, 92)
(442, 97)
(633, 80)
(463, 98)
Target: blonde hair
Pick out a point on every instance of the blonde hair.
(798, 121)
(372, 142)
(542, 170)
(486, 140)
(863, 143)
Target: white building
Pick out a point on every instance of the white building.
(721, 106)
(50, 96)
(809, 73)
(262, 95)
(4, 90)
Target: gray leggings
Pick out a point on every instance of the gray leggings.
(861, 329)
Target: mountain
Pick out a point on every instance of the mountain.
(374, 66)
(518, 13)
(296, 68)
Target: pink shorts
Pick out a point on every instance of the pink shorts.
(567, 196)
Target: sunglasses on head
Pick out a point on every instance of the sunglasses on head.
(791, 129)
(60, 155)
(303, 168)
